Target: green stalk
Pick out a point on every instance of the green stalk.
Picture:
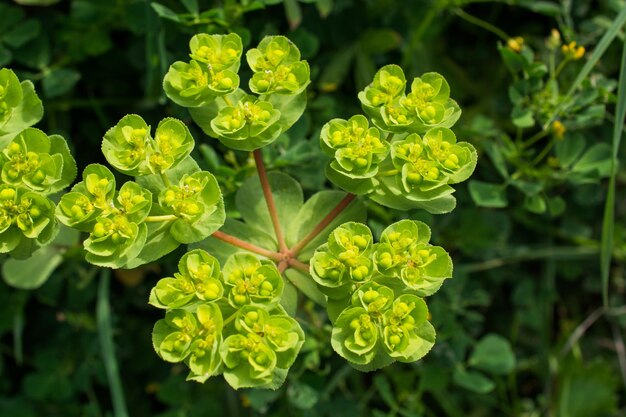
(609, 208)
(107, 345)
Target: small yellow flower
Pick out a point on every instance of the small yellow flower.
(515, 44)
(558, 129)
(572, 51)
(554, 41)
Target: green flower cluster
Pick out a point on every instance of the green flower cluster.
(257, 342)
(375, 291)
(170, 202)
(33, 165)
(211, 73)
(19, 106)
(390, 162)
(130, 149)
(209, 86)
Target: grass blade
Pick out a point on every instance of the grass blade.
(105, 333)
(609, 208)
(604, 43)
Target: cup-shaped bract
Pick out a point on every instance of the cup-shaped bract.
(355, 335)
(381, 326)
(263, 347)
(404, 258)
(173, 335)
(126, 145)
(172, 143)
(277, 67)
(211, 73)
(249, 125)
(20, 107)
(197, 204)
(427, 105)
(357, 149)
(344, 260)
(114, 240)
(373, 297)
(199, 280)
(218, 52)
(389, 84)
(456, 160)
(430, 103)
(249, 281)
(406, 334)
(280, 332)
(25, 216)
(129, 147)
(88, 199)
(204, 358)
(194, 84)
(248, 361)
(37, 162)
(191, 336)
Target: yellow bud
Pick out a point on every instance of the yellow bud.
(262, 85)
(515, 44)
(558, 129)
(394, 339)
(7, 194)
(360, 162)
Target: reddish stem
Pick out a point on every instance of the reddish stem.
(247, 246)
(269, 199)
(294, 263)
(322, 225)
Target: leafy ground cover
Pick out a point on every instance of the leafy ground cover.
(531, 322)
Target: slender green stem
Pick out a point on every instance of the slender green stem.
(543, 153)
(164, 218)
(608, 220)
(388, 173)
(165, 180)
(105, 334)
(230, 318)
(481, 23)
(345, 202)
(269, 199)
(562, 65)
(536, 137)
(228, 101)
(247, 246)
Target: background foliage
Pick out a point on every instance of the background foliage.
(522, 327)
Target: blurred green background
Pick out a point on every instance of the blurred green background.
(521, 327)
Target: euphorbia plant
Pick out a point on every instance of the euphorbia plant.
(230, 309)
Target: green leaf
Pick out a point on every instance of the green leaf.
(293, 13)
(33, 272)
(598, 159)
(191, 6)
(59, 81)
(473, 381)
(251, 202)
(522, 118)
(5, 56)
(487, 195)
(535, 203)
(302, 396)
(305, 283)
(379, 41)
(494, 354)
(165, 12)
(24, 32)
(569, 149)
